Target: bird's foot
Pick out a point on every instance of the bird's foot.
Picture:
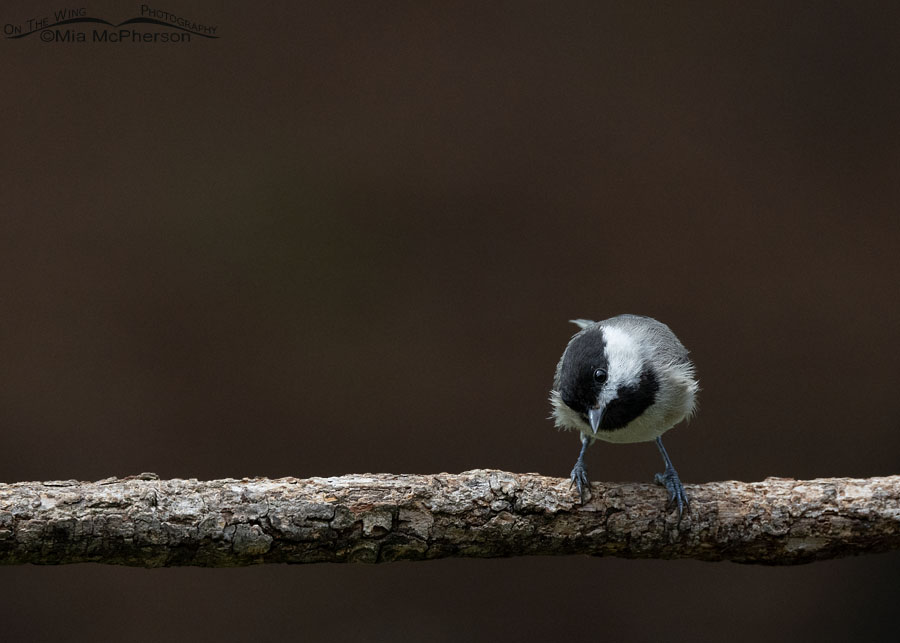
(677, 497)
(580, 479)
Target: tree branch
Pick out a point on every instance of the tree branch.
(147, 522)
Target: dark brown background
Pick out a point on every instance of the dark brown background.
(347, 238)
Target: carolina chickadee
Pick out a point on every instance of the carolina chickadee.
(624, 379)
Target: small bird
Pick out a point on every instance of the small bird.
(625, 379)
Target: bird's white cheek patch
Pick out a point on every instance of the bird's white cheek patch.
(625, 362)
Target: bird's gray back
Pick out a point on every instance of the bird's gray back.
(653, 332)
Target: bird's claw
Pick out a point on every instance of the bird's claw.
(677, 496)
(580, 479)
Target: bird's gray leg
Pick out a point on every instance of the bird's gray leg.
(579, 474)
(670, 480)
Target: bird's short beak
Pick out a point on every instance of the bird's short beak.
(595, 416)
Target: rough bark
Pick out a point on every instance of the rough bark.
(147, 522)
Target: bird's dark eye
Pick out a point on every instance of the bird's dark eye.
(600, 375)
